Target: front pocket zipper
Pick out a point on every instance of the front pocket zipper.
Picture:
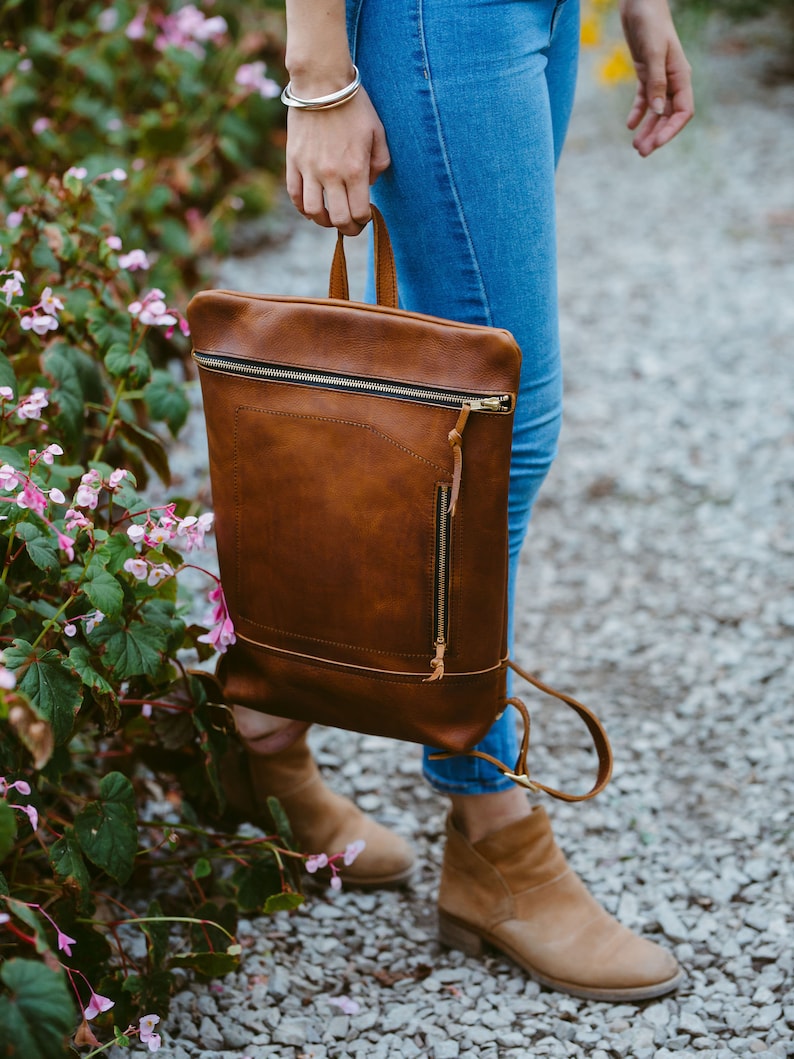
(441, 581)
(354, 383)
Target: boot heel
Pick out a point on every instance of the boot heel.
(455, 936)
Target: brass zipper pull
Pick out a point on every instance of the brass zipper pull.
(437, 663)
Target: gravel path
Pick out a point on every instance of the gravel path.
(656, 585)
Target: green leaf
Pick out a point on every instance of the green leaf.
(7, 376)
(165, 398)
(104, 592)
(109, 326)
(202, 868)
(107, 828)
(255, 882)
(284, 902)
(38, 1013)
(67, 861)
(44, 554)
(80, 657)
(281, 821)
(70, 394)
(8, 829)
(130, 652)
(115, 551)
(48, 681)
(133, 366)
(150, 447)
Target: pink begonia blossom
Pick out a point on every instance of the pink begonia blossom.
(221, 635)
(345, 1004)
(49, 303)
(117, 477)
(30, 407)
(147, 1032)
(134, 260)
(253, 77)
(78, 171)
(12, 288)
(97, 1004)
(22, 171)
(93, 620)
(65, 942)
(6, 393)
(23, 66)
(15, 218)
(48, 455)
(30, 812)
(136, 533)
(39, 324)
(114, 242)
(18, 785)
(146, 710)
(40, 125)
(152, 310)
(136, 29)
(56, 496)
(159, 535)
(193, 529)
(107, 19)
(114, 125)
(87, 494)
(352, 851)
(9, 477)
(5, 917)
(159, 573)
(315, 862)
(138, 164)
(70, 630)
(139, 568)
(66, 544)
(32, 499)
(76, 520)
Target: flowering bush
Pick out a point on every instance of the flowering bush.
(178, 100)
(110, 744)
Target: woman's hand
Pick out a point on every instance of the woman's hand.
(333, 156)
(664, 89)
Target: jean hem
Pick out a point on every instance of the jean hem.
(495, 786)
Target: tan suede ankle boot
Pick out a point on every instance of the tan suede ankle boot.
(321, 821)
(515, 890)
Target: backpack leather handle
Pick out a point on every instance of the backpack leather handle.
(385, 271)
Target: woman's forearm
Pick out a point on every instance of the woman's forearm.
(318, 57)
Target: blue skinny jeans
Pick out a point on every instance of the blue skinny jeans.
(475, 97)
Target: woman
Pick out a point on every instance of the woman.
(459, 125)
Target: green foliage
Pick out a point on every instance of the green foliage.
(146, 145)
(146, 90)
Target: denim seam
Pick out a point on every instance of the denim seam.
(448, 164)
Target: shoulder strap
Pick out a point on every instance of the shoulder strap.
(520, 773)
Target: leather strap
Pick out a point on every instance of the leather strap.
(520, 774)
(385, 271)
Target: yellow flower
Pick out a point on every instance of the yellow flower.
(591, 31)
(616, 67)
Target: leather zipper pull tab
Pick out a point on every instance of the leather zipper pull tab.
(455, 437)
(437, 664)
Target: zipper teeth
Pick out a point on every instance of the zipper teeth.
(348, 382)
(442, 561)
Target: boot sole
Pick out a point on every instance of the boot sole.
(456, 934)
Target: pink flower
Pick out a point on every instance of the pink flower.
(97, 1004)
(18, 785)
(48, 455)
(352, 851)
(5, 917)
(315, 862)
(136, 533)
(252, 76)
(108, 19)
(146, 1026)
(159, 573)
(87, 494)
(8, 680)
(30, 407)
(49, 303)
(114, 242)
(146, 710)
(30, 812)
(65, 942)
(152, 310)
(117, 477)
(32, 499)
(66, 544)
(336, 882)
(6, 393)
(40, 325)
(345, 1004)
(136, 29)
(134, 260)
(222, 634)
(79, 172)
(22, 171)
(12, 288)
(15, 218)
(70, 630)
(9, 477)
(193, 529)
(93, 620)
(139, 568)
(56, 496)
(40, 125)
(76, 520)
